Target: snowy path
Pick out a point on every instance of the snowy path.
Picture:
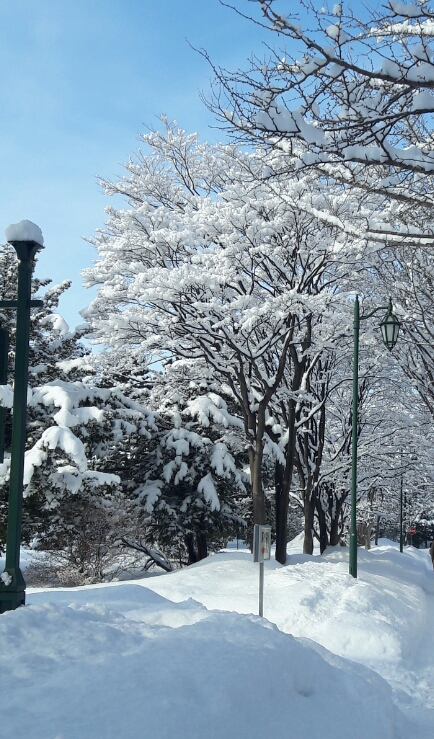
(415, 673)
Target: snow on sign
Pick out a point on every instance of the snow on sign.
(261, 543)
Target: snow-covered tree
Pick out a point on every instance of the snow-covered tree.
(51, 343)
(202, 485)
(346, 91)
(392, 424)
(186, 485)
(71, 424)
(409, 271)
(205, 265)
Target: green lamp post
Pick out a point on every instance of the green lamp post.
(401, 495)
(26, 238)
(389, 330)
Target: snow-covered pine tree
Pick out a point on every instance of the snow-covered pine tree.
(186, 485)
(72, 425)
(51, 343)
(67, 471)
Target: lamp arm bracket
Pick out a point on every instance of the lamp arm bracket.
(368, 315)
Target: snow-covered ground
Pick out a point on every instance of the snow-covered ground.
(181, 655)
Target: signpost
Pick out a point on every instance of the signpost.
(411, 531)
(261, 552)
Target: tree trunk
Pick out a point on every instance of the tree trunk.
(334, 523)
(189, 543)
(282, 482)
(377, 531)
(368, 537)
(368, 530)
(256, 455)
(282, 504)
(309, 513)
(322, 520)
(202, 547)
(257, 489)
(364, 534)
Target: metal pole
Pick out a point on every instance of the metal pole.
(12, 587)
(353, 529)
(4, 347)
(261, 588)
(401, 533)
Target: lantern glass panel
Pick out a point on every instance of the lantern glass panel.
(389, 330)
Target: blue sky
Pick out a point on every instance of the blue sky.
(79, 79)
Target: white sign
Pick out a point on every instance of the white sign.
(261, 543)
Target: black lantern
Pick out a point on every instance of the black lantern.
(390, 328)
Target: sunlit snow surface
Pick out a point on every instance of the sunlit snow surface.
(179, 655)
(24, 231)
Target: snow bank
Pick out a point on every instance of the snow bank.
(116, 662)
(146, 660)
(24, 231)
(383, 620)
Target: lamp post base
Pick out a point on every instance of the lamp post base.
(13, 595)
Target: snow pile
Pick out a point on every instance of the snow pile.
(24, 231)
(123, 660)
(382, 620)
